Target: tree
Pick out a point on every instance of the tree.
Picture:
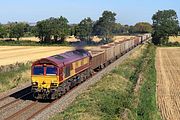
(117, 29)
(84, 29)
(42, 31)
(143, 27)
(165, 24)
(53, 27)
(17, 30)
(105, 25)
(3, 32)
(63, 28)
(73, 29)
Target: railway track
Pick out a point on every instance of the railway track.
(21, 105)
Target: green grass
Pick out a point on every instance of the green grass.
(30, 43)
(147, 109)
(14, 76)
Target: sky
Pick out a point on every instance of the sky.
(128, 11)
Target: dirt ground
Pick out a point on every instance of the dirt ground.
(168, 82)
(13, 54)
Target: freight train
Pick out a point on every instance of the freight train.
(53, 76)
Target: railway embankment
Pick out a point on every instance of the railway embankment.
(127, 92)
(14, 75)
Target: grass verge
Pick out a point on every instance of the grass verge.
(147, 109)
(13, 75)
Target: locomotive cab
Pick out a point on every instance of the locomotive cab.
(44, 75)
(45, 80)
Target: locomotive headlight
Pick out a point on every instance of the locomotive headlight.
(34, 83)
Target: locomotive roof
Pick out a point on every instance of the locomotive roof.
(65, 58)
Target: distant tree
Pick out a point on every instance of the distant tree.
(31, 30)
(72, 29)
(63, 28)
(17, 30)
(84, 29)
(126, 29)
(143, 27)
(3, 31)
(105, 25)
(42, 31)
(52, 27)
(132, 29)
(117, 29)
(165, 24)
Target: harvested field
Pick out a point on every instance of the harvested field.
(36, 39)
(168, 81)
(13, 54)
(24, 39)
(174, 39)
(72, 38)
(121, 38)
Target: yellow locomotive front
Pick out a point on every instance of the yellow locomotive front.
(45, 81)
(53, 76)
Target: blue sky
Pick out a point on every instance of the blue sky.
(128, 11)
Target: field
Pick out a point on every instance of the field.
(24, 39)
(174, 39)
(168, 81)
(121, 38)
(71, 38)
(13, 54)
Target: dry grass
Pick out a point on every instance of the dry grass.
(96, 39)
(72, 39)
(174, 39)
(15, 76)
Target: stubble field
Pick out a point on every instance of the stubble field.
(174, 39)
(13, 54)
(168, 82)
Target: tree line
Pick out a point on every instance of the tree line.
(165, 24)
(57, 29)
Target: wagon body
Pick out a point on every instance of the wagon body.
(98, 58)
(117, 49)
(109, 52)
